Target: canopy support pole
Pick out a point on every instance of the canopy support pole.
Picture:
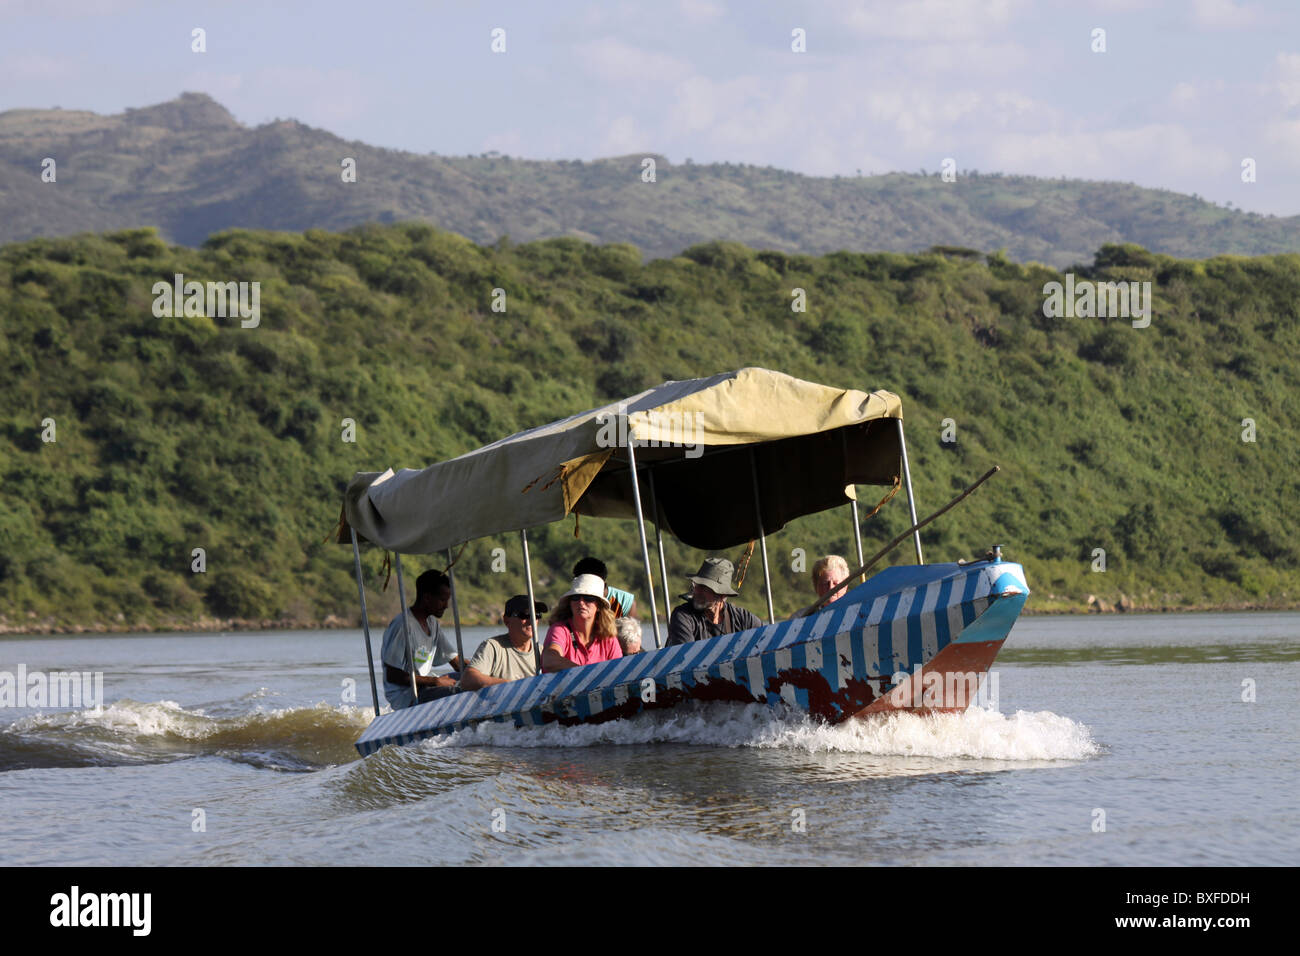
(857, 532)
(532, 602)
(365, 619)
(911, 501)
(455, 613)
(401, 596)
(659, 534)
(857, 525)
(645, 547)
(762, 537)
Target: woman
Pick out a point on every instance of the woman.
(582, 628)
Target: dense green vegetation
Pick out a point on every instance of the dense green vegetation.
(178, 433)
(188, 168)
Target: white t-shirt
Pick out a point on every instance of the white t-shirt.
(420, 652)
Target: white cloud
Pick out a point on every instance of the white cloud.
(1285, 134)
(329, 99)
(70, 9)
(38, 68)
(1184, 97)
(625, 135)
(1223, 15)
(700, 11)
(926, 19)
(615, 61)
(1155, 153)
(1288, 78)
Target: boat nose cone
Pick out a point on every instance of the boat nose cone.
(1008, 582)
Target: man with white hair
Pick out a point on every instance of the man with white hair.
(827, 572)
(629, 635)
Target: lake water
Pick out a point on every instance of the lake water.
(1118, 740)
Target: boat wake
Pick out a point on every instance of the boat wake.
(132, 732)
(976, 734)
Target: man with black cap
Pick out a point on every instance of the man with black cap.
(708, 613)
(508, 656)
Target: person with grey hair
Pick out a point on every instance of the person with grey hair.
(827, 572)
(629, 635)
(707, 612)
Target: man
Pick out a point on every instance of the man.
(507, 656)
(622, 603)
(826, 574)
(415, 644)
(629, 635)
(708, 613)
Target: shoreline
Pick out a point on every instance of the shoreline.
(332, 622)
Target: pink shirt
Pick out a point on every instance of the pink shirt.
(560, 637)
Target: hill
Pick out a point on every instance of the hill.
(189, 169)
(173, 434)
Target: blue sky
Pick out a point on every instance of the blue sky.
(1185, 90)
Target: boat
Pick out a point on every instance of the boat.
(716, 462)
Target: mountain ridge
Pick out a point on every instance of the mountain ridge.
(190, 169)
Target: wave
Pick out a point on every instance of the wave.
(128, 731)
(975, 734)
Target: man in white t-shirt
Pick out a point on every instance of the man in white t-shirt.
(414, 643)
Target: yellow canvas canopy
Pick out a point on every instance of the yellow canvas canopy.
(702, 443)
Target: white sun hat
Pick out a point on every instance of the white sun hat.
(587, 585)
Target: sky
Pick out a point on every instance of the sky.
(1183, 93)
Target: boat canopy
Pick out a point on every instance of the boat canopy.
(706, 444)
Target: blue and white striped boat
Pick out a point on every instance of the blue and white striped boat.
(843, 662)
(916, 638)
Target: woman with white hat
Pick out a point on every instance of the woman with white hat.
(582, 628)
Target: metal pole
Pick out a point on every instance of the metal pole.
(455, 613)
(645, 548)
(365, 619)
(762, 537)
(911, 501)
(659, 535)
(857, 525)
(401, 596)
(532, 602)
(857, 531)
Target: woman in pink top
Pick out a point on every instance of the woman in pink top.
(582, 628)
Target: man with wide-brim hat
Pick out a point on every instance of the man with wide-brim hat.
(707, 612)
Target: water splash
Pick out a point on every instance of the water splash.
(975, 734)
(129, 731)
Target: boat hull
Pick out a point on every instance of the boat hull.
(911, 638)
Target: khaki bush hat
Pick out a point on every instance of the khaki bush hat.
(715, 574)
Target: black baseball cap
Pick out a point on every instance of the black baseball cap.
(517, 606)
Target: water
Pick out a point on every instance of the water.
(237, 749)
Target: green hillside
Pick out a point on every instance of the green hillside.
(180, 433)
(190, 169)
